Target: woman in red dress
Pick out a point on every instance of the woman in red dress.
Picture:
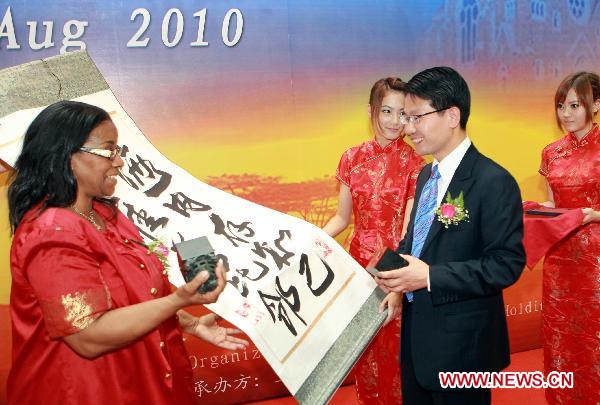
(93, 317)
(377, 183)
(571, 283)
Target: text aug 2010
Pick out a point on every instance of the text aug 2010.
(172, 29)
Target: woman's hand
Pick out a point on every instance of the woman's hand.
(393, 301)
(589, 215)
(207, 328)
(187, 294)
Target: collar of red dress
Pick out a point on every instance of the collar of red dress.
(389, 147)
(593, 135)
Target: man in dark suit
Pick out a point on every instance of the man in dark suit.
(461, 256)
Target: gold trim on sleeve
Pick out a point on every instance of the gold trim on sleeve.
(78, 312)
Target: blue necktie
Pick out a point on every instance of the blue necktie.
(424, 216)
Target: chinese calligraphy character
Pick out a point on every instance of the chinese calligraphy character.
(281, 298)
(263, 272)
(142, 170)
(181, 204)
(305, 268)
(234, 233)
(141, 217)
(280, 258)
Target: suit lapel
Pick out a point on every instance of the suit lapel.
(461, 181)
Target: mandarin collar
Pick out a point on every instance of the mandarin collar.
(392, 146)
(590, 136)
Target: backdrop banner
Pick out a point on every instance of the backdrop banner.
(260, 98)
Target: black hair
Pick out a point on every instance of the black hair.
(443, 87)
(43, 169)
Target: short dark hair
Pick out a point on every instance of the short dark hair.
(43, 169)
(587, 88)
(443, 87)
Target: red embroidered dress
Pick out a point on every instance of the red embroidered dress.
(66, 274)
(571, 283)
(381, 180)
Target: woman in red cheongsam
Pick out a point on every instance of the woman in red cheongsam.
(377, 184)
(571, 286)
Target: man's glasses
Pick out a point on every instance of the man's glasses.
(110, 154)
(415, 119)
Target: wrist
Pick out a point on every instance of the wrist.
(393, 295)
(187, 321)
(176, 302)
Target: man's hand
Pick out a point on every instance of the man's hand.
(410, 278)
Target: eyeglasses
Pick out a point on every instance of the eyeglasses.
(415, 119)
(109, 154)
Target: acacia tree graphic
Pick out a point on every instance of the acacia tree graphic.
(313, 200)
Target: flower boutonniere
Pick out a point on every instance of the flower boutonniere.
(452, 211)
(160, 250)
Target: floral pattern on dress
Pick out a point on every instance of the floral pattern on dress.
(571, 282)
(381, 180)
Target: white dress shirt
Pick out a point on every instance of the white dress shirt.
(447, 167)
